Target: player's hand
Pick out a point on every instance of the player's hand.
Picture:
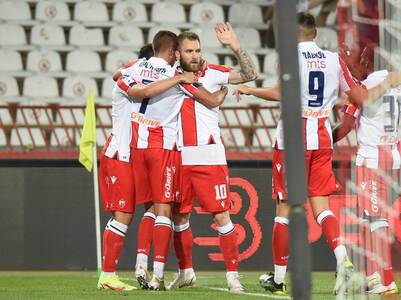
(394, 78)
(226, 35)
(221, 94)
(203, 63)
(188, 77)
(242, 89)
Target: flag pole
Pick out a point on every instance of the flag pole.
(97, 212)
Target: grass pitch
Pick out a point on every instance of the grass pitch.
(82, 285)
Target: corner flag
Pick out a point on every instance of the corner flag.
(88, 157)
(88, 137)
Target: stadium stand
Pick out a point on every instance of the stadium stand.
(56, 51)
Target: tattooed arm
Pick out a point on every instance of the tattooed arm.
(226, 35)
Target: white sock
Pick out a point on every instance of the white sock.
(158, 269)
(142, 260)
(186, 271)
(341, 253)
(279, 273)
(232, 274)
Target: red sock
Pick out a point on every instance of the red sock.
(145, 233)
(229, 246)
(161, 238)
(183, 245)
(368, 247)
(280, 241)
(383, 236)
(330, 227)
(113, 242)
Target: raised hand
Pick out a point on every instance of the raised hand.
(226, 35)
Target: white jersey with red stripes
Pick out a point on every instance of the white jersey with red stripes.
(377, 126)
(118, 143)
(322, 74)
(155, 120)
(199, 136)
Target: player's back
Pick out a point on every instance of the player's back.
(378, 122)
(120, 138)
(319, 79)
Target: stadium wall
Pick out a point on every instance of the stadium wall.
(47, 219)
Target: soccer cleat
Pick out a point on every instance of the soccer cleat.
(268, 283)
(233, 283)
(157, 284)
(374, 285)
(142, 276)
(391, 289)
(182, 279)
(112, 282)
(343, 275)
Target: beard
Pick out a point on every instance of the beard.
(192, 66)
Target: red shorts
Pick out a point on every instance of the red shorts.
(155, 174)
(320, 177)
(116, 183)
(373, 191)
(209, 184)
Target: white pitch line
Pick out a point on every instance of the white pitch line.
(248, 294)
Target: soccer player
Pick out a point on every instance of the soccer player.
(154, 130)
(377, 165)
(322, 74)
(204, 166)
(116, 177)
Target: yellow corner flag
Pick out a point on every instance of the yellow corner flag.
(88, 137)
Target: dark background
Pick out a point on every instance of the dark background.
(47, 220)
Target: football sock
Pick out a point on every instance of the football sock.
(161, 242)
(113, 242)
(183, 245)
(229, 246)
(145, 236)
(280, 248)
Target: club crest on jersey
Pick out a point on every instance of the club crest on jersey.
(121, 203)
(113, 179)
(363, 185)
(278, 166)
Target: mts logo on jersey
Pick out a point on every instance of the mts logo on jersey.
(245, 203)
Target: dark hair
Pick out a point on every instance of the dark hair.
(164, 40)
(306, 20)
(188, 35)
(146, 51)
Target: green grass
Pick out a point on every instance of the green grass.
(82, 285)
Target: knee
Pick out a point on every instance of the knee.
(122, 217)
(222, 218)
(180, 219)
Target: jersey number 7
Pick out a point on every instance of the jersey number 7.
(145, 101)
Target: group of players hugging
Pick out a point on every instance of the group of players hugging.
(165, 150)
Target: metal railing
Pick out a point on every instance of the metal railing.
(54, 131)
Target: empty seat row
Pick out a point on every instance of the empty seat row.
(119, 36)
(45, 61)
(77, 87)
(46, 88)
(131, 11)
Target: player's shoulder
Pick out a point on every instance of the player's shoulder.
(132, 63)
(219, 68)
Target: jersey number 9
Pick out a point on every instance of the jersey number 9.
(316, 88)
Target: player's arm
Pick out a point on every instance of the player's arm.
(141, 91)
(265, 93)
(347, 123)
(227, 36)
(202, 95)
(117, 74)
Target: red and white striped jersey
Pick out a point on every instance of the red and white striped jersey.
(199, 125)
(377, 127)
(118, 143)
(322, 74)
(155, 120)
